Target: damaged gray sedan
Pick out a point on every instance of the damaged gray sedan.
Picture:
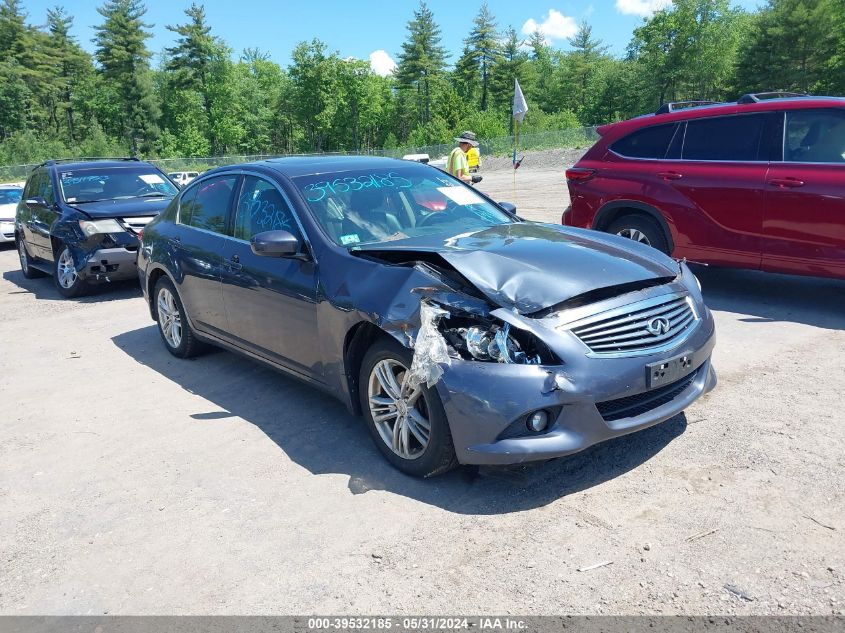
(462, 334)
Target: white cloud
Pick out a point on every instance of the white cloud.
(382, 63)
(555, 26)
(643, 8)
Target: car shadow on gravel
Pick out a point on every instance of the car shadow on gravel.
(317, 432)
(769, 297)
(45, 290)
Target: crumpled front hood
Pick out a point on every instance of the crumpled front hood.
(530, 266)
(123, 208)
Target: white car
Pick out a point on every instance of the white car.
(10, 195)
(182, 178)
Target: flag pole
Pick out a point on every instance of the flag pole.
(515, 149)
(520, 107)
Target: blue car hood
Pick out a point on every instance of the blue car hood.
(122, 208)
(529, 267)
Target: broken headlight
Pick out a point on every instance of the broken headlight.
(497, 343)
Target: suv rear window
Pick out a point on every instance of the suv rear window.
(650, 142)
(730, 138)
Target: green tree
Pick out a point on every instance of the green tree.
(688, 50)
(512, 65)
(422, 60)
(481, 53)
(794, 45)
(124, 62)
(71, 66)
(314, 76)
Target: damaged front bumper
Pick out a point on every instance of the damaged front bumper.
(106, 257)
(599, 399)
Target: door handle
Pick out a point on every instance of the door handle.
(786, 182)
(670, 175)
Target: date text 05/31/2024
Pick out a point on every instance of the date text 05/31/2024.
(415, 623)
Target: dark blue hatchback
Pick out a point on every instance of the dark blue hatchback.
(435, 312)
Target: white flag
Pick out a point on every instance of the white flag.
(520, 107)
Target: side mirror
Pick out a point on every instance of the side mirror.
(510, 207)
(274, 244)
(37, 201)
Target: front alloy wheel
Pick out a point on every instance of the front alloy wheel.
(408, 424)
(68, 281)
(400, 413)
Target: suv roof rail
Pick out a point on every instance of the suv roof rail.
(56, 161)
(756, 97)
(672, 106)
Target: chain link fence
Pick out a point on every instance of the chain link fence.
(556, 139)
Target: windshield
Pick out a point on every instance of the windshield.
(367, 206)
(113, 183)
(10, 196)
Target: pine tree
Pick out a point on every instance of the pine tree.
(12, 30)
(482, 51)
(71, 65)
(794, 45)
(124, 62)
(512, 65)
(422, 59)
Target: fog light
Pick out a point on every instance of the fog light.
(538, 421)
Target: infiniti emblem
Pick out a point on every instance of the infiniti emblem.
(658, 326)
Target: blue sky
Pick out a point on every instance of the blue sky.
(365, 28)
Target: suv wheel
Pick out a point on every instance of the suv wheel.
(642, 229)
(173, 326)
(409, 426)
(26, 262)
(67, 279)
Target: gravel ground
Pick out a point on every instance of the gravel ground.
(135, 483)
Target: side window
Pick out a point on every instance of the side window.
(730, 138)
(205, 205)
(40, 185)
(32, 185)
(46, 188)
(814, 136)
(262, 208)
(650, 142)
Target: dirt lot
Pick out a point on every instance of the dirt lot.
(135, 483)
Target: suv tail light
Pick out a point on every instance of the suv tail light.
(579, 174)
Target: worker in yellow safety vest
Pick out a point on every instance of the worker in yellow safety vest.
(474, 160)
(457, 163)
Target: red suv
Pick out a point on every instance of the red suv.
(759, 183)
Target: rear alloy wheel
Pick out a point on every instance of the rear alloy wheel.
(408, 424)
(68, 281)
(26, 262)
(642, 229)
(173, 325)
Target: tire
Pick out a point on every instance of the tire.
(640, 228)
(26, 262)
(175, 331)
(68, 282)
(437, 455)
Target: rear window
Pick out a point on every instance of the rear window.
(650, 142)
(731, 138)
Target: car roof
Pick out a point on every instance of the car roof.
(71, 165)
(722, 109)
(294, 166)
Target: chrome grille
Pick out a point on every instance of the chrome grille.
(136, 225)
(656, 323)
